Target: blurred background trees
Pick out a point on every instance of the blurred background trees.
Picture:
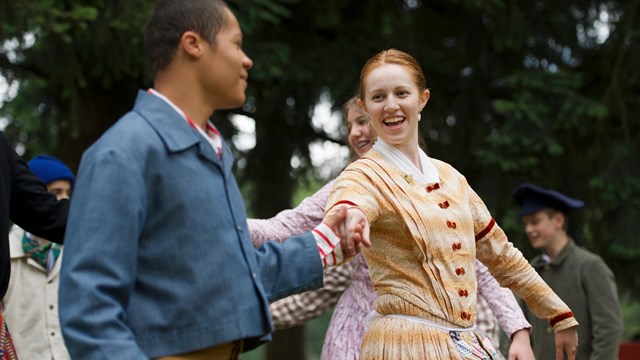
(538, 91)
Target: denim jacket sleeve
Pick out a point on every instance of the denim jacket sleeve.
(103, 277)
(292, 266)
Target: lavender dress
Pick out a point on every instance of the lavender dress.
(346, 329)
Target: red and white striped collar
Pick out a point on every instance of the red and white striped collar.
(211, 134)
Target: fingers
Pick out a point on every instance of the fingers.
(347, 245)
(335, 217)
(571, 352)
(366, 240)
(358, 224)
(351, 227)
(559, 352)
(567, 342)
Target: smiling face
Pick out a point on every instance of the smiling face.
(225, 67)
(393, 101)
(361, 135)
(543, 228)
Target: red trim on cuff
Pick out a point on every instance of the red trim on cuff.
(341, 202)
(486, 230)
(322, 254)
(560, 317)
(324, 237)
(345, 202)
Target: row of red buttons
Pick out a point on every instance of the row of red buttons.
(455, 246)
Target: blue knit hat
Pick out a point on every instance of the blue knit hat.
(50, 169)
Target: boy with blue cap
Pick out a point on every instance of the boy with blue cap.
(35, 267)
(578, 276)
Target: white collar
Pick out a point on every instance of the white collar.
(166, 99)
(429, 172)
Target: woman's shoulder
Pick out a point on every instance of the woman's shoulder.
(445, 169)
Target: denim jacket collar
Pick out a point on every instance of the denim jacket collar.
(174, 131)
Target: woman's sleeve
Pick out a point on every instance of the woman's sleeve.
(353, 187)
(304, 217)
(501, 302)
(507, 264)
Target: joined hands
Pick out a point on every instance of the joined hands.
(343, 232)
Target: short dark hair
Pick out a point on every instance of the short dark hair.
(172, 18)
(551, 212)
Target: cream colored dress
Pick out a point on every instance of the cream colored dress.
(425, 238)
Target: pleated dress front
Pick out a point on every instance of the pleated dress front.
(425, 238)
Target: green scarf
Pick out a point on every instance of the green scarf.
(45, 255)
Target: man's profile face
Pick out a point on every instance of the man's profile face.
(225, 67)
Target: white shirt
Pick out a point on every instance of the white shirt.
(31, 305)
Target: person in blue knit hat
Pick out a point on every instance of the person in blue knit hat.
(580, 277)
(54, 173)
(35, 267)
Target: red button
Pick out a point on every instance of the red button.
(463, 293)
(451, 224)
(456, 246)
(460, 271)
(444, 205)
(435, 186)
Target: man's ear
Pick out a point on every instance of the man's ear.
(192, 43)
(560, 218)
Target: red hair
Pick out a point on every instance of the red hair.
(393, 56)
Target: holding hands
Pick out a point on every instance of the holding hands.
(341, 234)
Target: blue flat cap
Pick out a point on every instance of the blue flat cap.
(532, 198)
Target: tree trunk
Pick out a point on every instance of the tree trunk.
(91, 112)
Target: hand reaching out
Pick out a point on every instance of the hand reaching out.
(341, 235)
(567, 342)
(520, 348)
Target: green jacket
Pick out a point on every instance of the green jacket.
(587, 285)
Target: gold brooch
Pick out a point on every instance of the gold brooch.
(407, 178)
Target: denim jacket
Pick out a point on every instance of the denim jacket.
(158, 259)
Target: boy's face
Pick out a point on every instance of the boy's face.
(542, 227)
(60, 188)
(225, 67)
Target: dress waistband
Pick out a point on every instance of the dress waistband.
(376, 315)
